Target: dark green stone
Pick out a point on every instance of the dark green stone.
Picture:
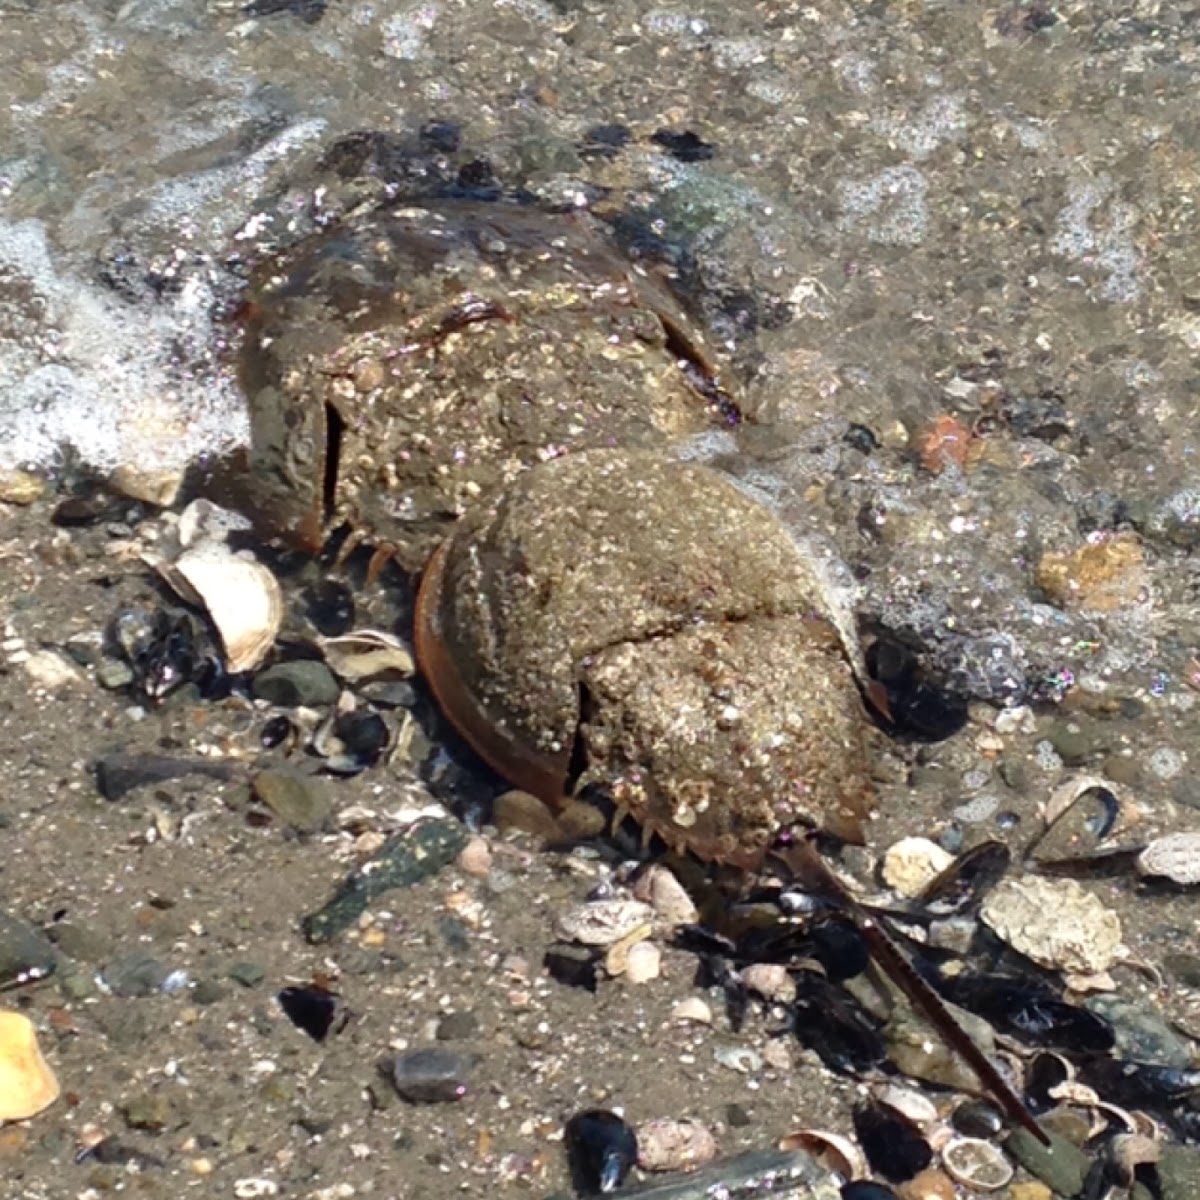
(402, 861)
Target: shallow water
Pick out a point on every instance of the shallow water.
(910, 210)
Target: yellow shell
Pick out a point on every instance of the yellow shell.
(27, 1084)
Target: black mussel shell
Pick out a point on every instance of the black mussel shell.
(601, 1149)
(364, 736)
(1032, 1011)
(893, 1145)
(840, 947)
(916, 706)
(866, 1189)
(312, 1009)
(1140, 1085)
(275, 732)
(827, 1019)
(964, 883)
(166, 648)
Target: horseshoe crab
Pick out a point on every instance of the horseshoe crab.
(405, 363)
(622, 619)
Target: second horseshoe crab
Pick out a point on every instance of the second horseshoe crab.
(403, 364)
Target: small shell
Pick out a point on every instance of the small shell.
(643, 963)
(976, 1164)
(693, 1011)
(912, 863)
(27, 1084)
(668, 1144)
(368, 654)
(616, 961)
(241, 597)
(1175, 857)
(771, 981)
(604, 922)
(830, 1150)
(668, 897)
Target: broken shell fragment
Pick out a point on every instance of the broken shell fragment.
(1175, 857)
(604, 922)
(835, 1153)
(1055, 922)
(241, 597)
(669, 1144)
(27, 1084)
(368, 654)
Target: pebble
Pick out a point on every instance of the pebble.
(300, 801)
(517, 810)
(136, 974)
(476, 858)
(152, 1111)
(912, 863)
(573, 966)
(208, 991)
(1030, 1190)
(929, 1184)
(1100, 576)
(1141, 1032)
(80, 942)
(431, 1076)
(978, 1118)
(457, 1026)
(25, 953)
(772, 981)
(113, 674)
(50, 670)
(1061, 1166)
(604, 922)
(27, 1084)
(248, 974)
(1179, 1171)
(669, 1144)
(306, 683)
(20, 487)
(1055, 922)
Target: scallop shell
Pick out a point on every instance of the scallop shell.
(27, 1084)
(241, 597)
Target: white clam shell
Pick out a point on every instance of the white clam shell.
(240, 595)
